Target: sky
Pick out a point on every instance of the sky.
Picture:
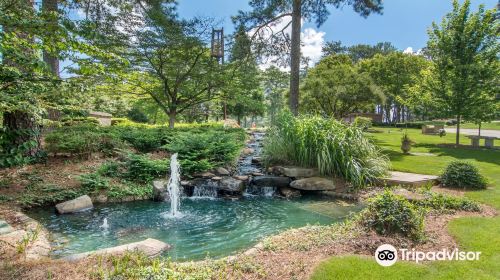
(404, 23)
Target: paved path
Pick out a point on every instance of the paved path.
(408, 179)
(469, 131)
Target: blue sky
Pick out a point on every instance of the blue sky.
(403, 22)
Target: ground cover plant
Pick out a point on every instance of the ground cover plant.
(331, 146)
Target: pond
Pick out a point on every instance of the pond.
(207, 227)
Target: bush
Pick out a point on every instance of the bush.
(446, 202)
(93, 182)
(205, 150)
(90, 121)
(363, 123)
(137, 115)
(462, 174)
(141, 168)
(331, 146)
(388, 213)
(143, 139)
(82, 139)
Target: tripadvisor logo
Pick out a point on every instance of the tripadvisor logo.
(387, 255)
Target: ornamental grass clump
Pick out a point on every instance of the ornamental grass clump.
(462, 174)
(327, 144)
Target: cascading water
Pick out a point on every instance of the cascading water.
(208, 190)
(173, 187)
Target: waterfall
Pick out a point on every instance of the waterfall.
(208, 190)
(174, 192)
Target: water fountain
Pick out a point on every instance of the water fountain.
(173, 187)
(105, 225)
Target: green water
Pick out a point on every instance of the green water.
(208, 227)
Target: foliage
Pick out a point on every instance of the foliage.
(203, 151)
(16, 154)
(462, 174)
(38, 194)
(141, 168)
(331, 146)
(388, 213)
(75, 121)
(394, 74)
(406, 143)
(144, 139)
(137, 115)
(464, 48)
(335, 87)
(92, 182)
(363, 123)
(82, 139)
(275, 83)
(443, 202)
(128, 188)
(357, 52)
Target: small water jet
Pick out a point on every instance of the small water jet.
(105, 225)
(173, 187)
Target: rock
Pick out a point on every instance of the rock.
(160, 192)
(216, 178)
(257, 160)
(247, 151)
(231, 185)
(150, 247)
(207, 175)
(221, 171)
(185, 183)
(257, 174)
(289, 192)
(78, 204)
(241, 177)
(296, 172)
(408, 194)
(271, 181)
(102, 198)
(5, 227)
(313, 184)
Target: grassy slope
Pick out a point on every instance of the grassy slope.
(474, 234)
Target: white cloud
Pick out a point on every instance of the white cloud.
(408, 50)
(311, 42)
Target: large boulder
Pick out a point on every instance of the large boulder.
(149, 247)
(160, 192)
(297, 172)
(78, 204)
(313, 184)
(229, 184)
(221, 171)
(289, 192)
(271, 181)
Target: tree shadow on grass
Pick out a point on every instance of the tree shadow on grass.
(481, 154)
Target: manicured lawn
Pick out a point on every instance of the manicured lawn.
(487, 160)
(472, 233)
(489, 126)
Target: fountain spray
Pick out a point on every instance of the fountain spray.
(173, 186)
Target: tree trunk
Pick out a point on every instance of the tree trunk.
(479, 130)
(51, 60)
(239, 120)
(295, 58)
(171, 118)
(22, 128)
(457, 139)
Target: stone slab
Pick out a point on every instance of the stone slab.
(150, 247)
(396, 178)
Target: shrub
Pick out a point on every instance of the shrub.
(204, 150)
(363, 123)
(41, 195)
(144, 139)
(462, 174)
(331, 146)
(90, 121)
(446, 202)
(388, 213)
(82, 139)
(406, 143)
(110, 169)
(141, 168)
(93, 182)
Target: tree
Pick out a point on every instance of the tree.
(335, 87)
(50, 8)
(267, 13)
(167, 57)
(358, 52)
(275, 83)
(465, 48)
(394, 73)
(245, 95)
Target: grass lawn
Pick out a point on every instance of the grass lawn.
(489, 126)
(473, 233)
